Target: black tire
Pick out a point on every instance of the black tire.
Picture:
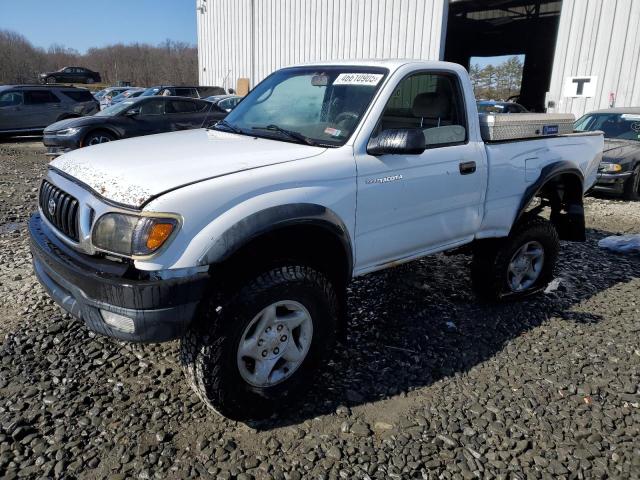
(491, 260)
(88, 80)
(632, 186)
(209, 349)
(50, 80)
(97, 137)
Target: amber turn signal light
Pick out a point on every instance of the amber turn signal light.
(158, 234)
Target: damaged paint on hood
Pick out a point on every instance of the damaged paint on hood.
(132, 171)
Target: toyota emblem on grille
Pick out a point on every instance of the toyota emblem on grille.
(51, 206)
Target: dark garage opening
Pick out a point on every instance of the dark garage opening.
(488, 28)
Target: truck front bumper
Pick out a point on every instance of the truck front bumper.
(93, 290)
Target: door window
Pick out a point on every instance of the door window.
(39, 97)
(180, 106)
(153, 107)
(430, 101)
(186, 92)
(10, 99)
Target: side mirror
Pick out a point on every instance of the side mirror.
(398, 141)
(133, 112)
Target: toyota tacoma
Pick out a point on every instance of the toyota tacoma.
(240, 239)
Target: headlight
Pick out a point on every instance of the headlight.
(131, 234)
(610, 167)
(67, 132)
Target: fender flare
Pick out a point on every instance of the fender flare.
(273, 218)
(573, 228)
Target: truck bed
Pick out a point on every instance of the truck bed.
(515, 165)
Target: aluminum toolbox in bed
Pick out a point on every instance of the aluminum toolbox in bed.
(495, 127)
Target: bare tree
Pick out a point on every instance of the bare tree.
(170, 62)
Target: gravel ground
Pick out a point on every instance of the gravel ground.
(427, 384)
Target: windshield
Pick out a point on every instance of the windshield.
(119, 97)
(115, 109)
(150, 92)
(317, 105)
(126, 94)
(622, 126)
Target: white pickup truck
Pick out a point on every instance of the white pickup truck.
(240, 239)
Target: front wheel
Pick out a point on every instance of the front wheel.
(95, 138)
(632, 186)
(519, 265)
(50, 80)
(244, 358)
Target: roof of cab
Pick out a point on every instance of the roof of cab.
(391, 63)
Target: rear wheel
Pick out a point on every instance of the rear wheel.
(632, 186)
(89, 80)
(244, 358)
(519, 265)
(94, 138)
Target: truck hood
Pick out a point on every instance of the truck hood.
(132, 171)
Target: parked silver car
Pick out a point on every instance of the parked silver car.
(30, 108)
(109, 94)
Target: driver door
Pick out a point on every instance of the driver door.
(150, 118)
(411, 204)
(12, 113)
(67, 75)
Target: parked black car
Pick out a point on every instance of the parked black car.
(619, 171)
(71, 75)
(130, 118)
(183, 91)
(28, 109)
(225, 102)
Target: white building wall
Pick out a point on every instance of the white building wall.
(597, 38)
(252, 38)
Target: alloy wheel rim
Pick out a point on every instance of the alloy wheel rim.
(275, 343)
(525, 266)
(99, 139)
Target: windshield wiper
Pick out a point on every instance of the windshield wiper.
(289, 133)
(224, 123)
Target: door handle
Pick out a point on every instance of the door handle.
(467, 167)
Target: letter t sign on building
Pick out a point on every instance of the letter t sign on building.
(577, 87)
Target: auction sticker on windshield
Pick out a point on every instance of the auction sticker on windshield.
(358, 79)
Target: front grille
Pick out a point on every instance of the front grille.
(60, 208)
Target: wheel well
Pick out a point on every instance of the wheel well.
(563, 193)
(96, 130)
(312, 245)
